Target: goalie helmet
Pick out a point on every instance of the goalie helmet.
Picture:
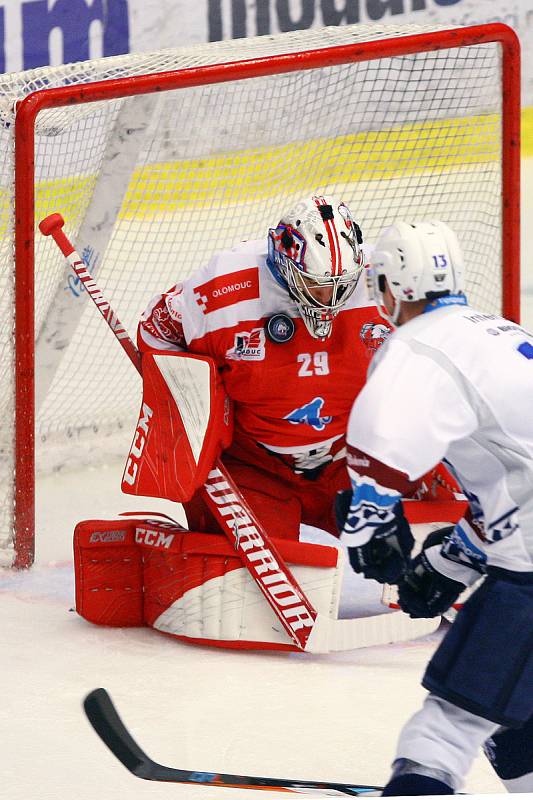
(315, 253)
(421, 261)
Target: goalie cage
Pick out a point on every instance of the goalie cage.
(158, 160)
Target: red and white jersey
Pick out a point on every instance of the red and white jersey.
(293, 397)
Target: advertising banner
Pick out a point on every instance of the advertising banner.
(38, 32)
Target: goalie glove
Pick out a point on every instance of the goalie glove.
(424, 592)
(385, 556)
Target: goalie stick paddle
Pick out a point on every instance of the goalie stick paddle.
(105, 720)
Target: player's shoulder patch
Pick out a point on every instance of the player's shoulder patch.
(231, 277)
(227, 290)
(249, 345)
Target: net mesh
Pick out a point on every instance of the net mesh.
(415, 137)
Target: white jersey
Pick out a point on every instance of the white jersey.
(457, 385)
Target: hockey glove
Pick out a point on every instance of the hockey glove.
(385, 557)
(424, 592)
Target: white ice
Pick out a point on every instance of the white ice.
(330, 717)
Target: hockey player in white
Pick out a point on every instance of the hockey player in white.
(456, 384)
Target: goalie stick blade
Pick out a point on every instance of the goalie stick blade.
(105, 720)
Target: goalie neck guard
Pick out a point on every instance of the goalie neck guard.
(315, 253)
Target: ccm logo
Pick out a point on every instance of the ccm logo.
(153, 538)
(136, 450)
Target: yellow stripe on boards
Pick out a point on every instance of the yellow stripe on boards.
(438, 146)
(379, 155)
(527, 133)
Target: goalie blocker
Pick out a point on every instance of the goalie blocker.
(193, 586)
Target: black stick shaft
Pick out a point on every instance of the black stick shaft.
(105, 720)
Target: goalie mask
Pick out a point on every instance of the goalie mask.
(421, 261)
(315, 253)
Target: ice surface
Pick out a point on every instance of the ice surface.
(331, 717)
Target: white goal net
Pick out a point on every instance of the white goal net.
(151, 185)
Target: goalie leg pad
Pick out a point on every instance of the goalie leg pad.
(200, 591)
(108, 567)
(194, 586)
(108, 573)
(475, 668)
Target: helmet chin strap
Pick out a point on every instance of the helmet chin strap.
(376, 295)
(392, 319)
(396, 312)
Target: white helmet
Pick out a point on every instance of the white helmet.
(317, 244)
(421, 261)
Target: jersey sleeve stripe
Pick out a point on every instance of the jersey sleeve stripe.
(364, 464)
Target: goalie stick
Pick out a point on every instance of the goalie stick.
(105, 720)
(308, 630)
(219, 491)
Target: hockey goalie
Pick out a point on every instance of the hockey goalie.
(255, 360)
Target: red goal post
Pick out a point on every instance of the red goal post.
(387, 161)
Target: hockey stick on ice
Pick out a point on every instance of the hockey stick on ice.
(105, 720)
(308, 630)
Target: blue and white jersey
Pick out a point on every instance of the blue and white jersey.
(455, 385)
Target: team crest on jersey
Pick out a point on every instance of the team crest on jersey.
(161, 318)
(280, 328)
(374, 334)
(249, 346)
(161, 324)
(309, 414)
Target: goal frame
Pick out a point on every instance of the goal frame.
(24, 196)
